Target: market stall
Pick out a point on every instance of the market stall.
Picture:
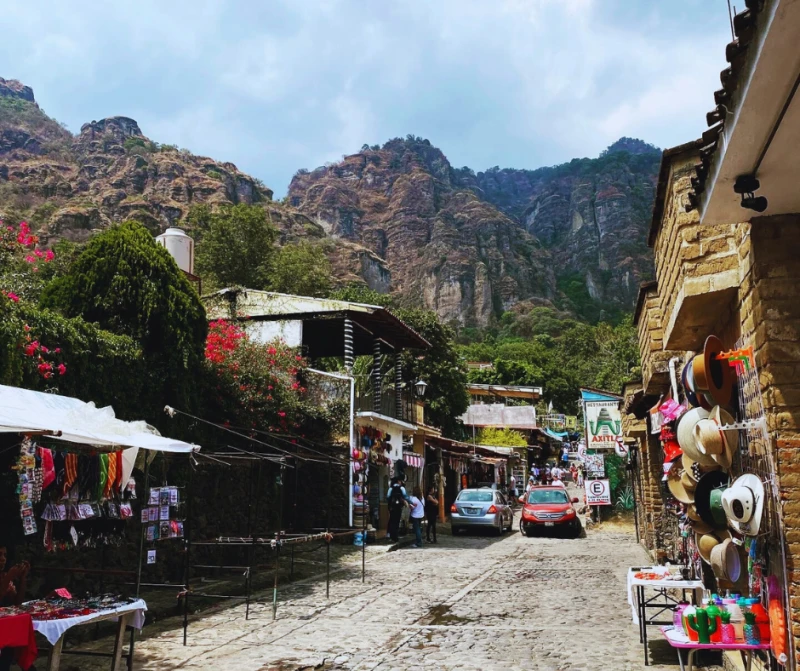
(720, 489)
(73, 465)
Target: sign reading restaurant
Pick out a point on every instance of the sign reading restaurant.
(602, 419)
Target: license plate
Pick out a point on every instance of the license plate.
(549, 524)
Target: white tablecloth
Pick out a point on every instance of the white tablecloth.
(668, 583)
(52, 630)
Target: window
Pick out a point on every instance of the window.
(547, 496)
(473, 496)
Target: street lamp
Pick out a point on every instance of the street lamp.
(421, 386)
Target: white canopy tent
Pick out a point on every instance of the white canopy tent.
(75, 421)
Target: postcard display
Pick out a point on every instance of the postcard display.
(77, 498)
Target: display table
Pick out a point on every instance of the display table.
(680, 641)
(128, 615)
(16, 633)
(661, 602)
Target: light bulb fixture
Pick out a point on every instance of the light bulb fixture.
(421, 386)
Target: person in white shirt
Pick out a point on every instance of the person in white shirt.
(558, 483)
(417, 514)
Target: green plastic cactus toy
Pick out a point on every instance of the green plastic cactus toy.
(700, 623)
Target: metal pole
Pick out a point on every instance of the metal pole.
(350, 451)
(187, 543)
(278, 544)
(144, 526)
(328, 530)
(364, 509)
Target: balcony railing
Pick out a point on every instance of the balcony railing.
(406, 412)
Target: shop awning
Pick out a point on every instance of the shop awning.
(75, 421)
(414, 460)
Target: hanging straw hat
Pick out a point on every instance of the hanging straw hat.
(707, 542)
(713, 375)
(686, 437)
(695, 470)
(743, 503)
(676, 485)
(719, 444)
(687, 380)
(725, 561)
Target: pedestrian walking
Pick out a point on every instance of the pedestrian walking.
(573, 471)
(580, 476)
(417, 514)
(536, 475)
(396, 500)
(431, 513)
(512, 486)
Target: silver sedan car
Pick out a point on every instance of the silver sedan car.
(481, 508)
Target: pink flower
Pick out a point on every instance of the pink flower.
(30, 259)
(44, 350)
(281, 413)
(13, 296)
(49, 256)
(57, 350)
(39, 253)
(62, 369)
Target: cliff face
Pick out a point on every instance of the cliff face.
(71, 185)
(591, 214)
(441, 245)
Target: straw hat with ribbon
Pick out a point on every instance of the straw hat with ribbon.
(743, 503)
(708, 499)
(713, 375)
(695, 470)
(712, 441)
(686, 438)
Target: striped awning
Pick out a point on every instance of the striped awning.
(413, 460)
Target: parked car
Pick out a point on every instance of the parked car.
(546, 508)
(481, 508)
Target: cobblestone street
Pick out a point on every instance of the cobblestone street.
(470, 602)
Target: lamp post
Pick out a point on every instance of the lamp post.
(421, 386)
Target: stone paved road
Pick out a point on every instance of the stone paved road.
(468, 603)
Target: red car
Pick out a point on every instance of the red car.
(548, 508)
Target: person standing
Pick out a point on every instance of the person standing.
(512, 486)
(396, 501)
(580, 476)
(417, 513)
(432, 512)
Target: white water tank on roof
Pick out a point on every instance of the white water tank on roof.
(180, 246)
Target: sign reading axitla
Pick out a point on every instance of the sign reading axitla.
(598, 493)
(603, 424)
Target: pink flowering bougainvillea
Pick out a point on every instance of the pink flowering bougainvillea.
(19, 256)
(257, 386)
(46, 361)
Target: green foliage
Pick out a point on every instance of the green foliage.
(360, 293)
(302, 268)
(100, 366)
(127, 284)
(214, 174)
(501, 437)
(235, 245)
(560, 354)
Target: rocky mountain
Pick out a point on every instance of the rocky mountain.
(398, 217)
(69, 186)
(591, 214)
(472, 245)
(443, 245)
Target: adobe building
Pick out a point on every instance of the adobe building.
(725, 234)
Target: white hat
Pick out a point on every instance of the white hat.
(686, 436)
(743, 503)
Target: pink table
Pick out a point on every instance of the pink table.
(679, 642)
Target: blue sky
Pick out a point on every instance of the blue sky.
(277, 85)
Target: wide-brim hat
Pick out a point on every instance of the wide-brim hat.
(720, 445)
(700, 527)
(743, 503)
(713, 375)
(686, 438)
(725, 561)
(708, 499)
(708, 541)
(677, 486)
(696, 470)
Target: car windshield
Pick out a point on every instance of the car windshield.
(475, 497)
(547, 496)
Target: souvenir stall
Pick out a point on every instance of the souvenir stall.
(415, 468)
(721, 491)
(376, 458)
(74, 492)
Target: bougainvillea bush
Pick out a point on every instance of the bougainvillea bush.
(255, 385)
